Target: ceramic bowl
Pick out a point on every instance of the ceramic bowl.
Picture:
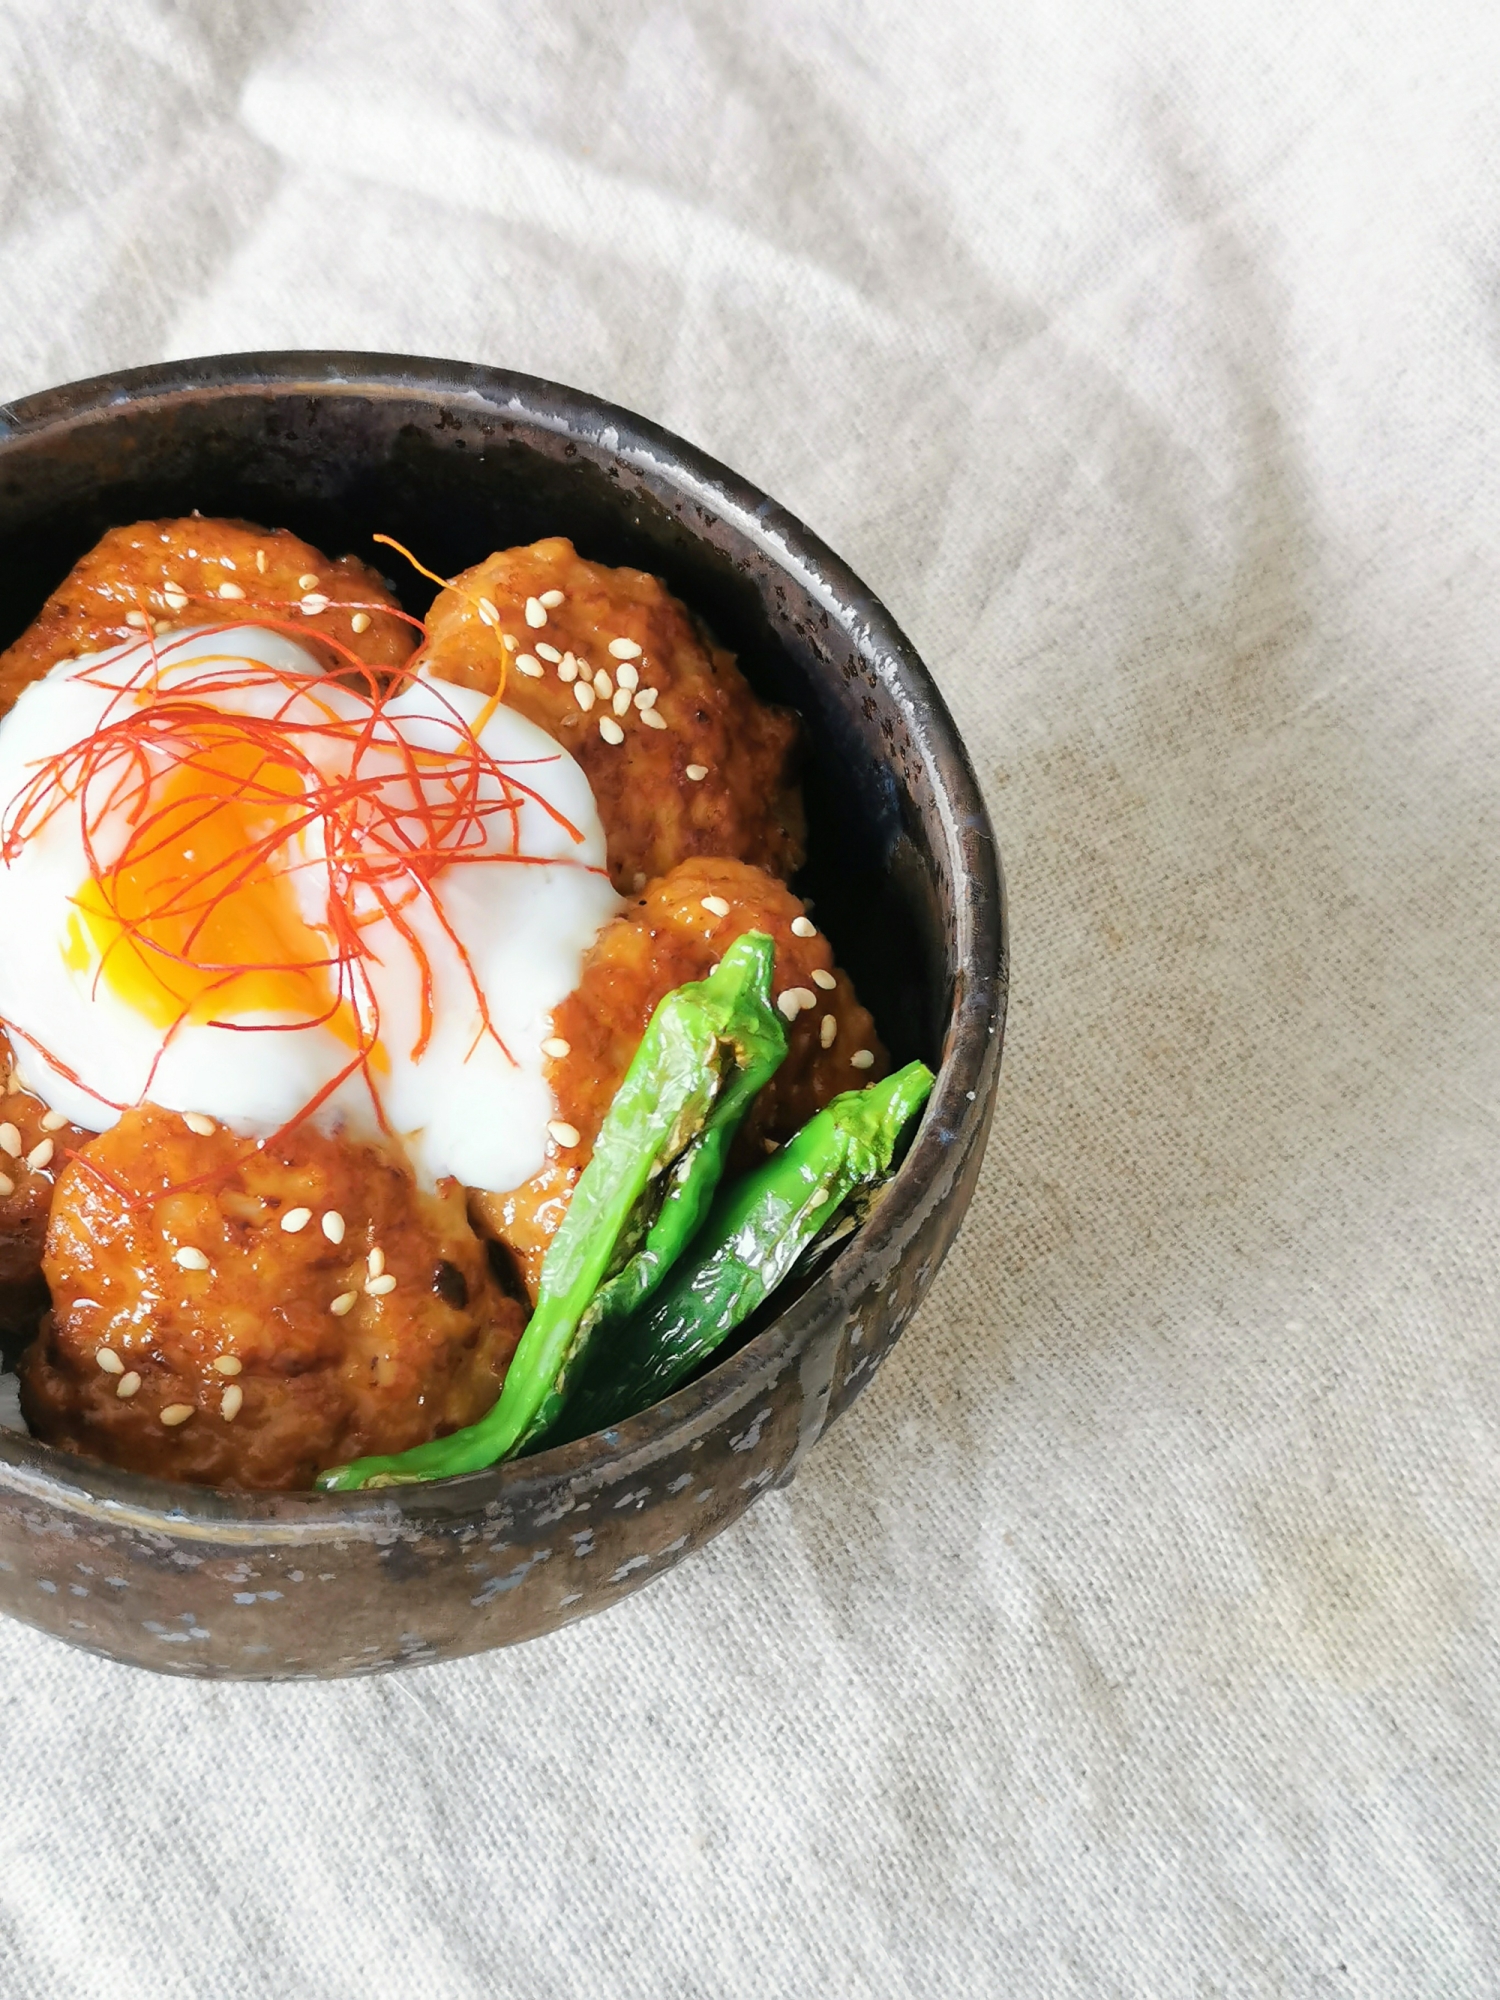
(456, 460)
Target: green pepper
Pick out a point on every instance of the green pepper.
(708, 1048)
(757, 1231)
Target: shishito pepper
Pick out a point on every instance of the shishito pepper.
(707, 1050)
(757, 1231)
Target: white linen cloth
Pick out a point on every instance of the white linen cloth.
(1135, 1634)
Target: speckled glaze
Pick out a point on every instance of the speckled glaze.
(456, 460)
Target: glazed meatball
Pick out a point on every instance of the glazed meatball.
(34, 1148)
(682, 758)
(241, 1315)
(178, 573)
(666, 937)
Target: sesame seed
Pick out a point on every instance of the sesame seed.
(488, 615)
(863, 1059)
(568, 671)
(199, 1122)
(191, 1259)
(610, 730)
(806, 998)
(7, 1187)
(260, 561)
(308, 582)
(54, 1121)
(378, 1287)
(638, 880)
(697, 772)
(564, 1134)
(311, 606)
(109, 1361)
(556, 1047)
(627, 676)
(789, 1004)
(228, 1364)
(127, 1386)
(225, 590)
(333, 1226)
(532, 668)
(536, 613)
(160, 625)
(824, 979)
(375, 1262)
(625, 649)
(10, 1141)
(344, 1303)
(621, 702)
(803, 927)
(551, 598)
(509, 641)
(583, 694)
(716, 906)
(229, 1406)
(604, 687)
(296, 1220)
(360, 622)
(828, 1030)
(546, 652)
(175, 1414)
(652, 719)
(40, 1156)
(175, 596)
(226, 562)
(647, 698)
(818, 1197)
(139, 619)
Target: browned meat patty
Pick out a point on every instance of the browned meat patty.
(704, 768)
(666, 937)
(193, 1336)
(33, 1151)
(176, 573)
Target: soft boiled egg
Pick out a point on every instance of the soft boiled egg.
(230, 885)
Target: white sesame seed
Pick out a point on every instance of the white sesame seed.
(375, 1262)
(806, 998)
(568, 671)
(296, 1220)
(160, 625)
(638, 880)
(610, 730)
(804, 927)
(564, 1134)
(191, 1259)
(828, 1030)
(333, 1226)
(109, 1361)
(627, 676)
(652, 719)
(54, 1121)
(225, 590)
(716, 906)
(488, 615)
(230, 1402)
(583, 694)
(697, 772)
(127, 1386)
(199, 1122)
(647, 697)
(546, 652)
(604, 687)
(7, 1187)
(175, 1414)
(260, 561)
(175, 596)
(532, 668)
(621, 702)
(789, 1004)
(625, 649)
(228, 1364)
(818, 1197)
(556, 1047)
(536, 613)
(344, 1303)
(311, 606)
(308, 582)
(551, 598)
(227, 562)
(140, 621)
(824, 979)
(863, 1059)
(509, 641)
(40, 1156)
(10, 1141)
(360, 622)
(378, 1287)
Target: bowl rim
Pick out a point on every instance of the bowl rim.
(963, 1091)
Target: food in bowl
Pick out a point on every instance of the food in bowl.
(413, 1014)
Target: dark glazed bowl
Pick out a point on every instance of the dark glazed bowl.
(456, 461)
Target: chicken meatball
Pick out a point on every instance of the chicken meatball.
(677, 931)
(682, 757)
(244, 1315)
(202, 572)
(34, 1147)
